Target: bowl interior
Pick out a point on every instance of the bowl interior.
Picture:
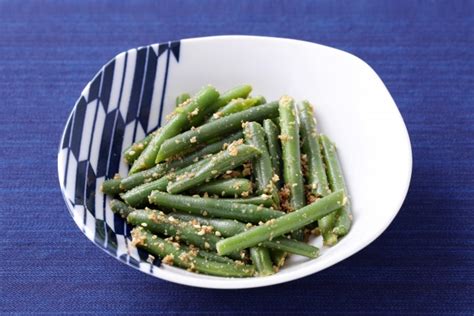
(132, 94)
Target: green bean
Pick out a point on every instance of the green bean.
(120, 208)
(111, 186)
(208, 255)
(261, 259)
(272, 131)
(336, 183)
(138, 196)
(159, 223)
(282, 225)
(228, 228)
(234, 156)
(234, 93)
(290, 143)
(298, 235)
(183, 97)
(172, 253)
(263, 200)
(237, 105)
(144, 176)
(161, 169)
(316, 174)
(214, 207)
(326, 226)
(276, 121)
(292, 246)
(274, 149)
(226, 187)
(210, 148)
(225, 227)
(261, 165)
(278, 257)
(208, 131)
(133, 152)
(317, 181)
(260, 99)
(181, 119)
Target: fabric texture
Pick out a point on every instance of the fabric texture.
(423, 51)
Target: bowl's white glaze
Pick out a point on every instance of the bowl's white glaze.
(132, 92)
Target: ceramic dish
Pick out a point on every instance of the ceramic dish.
(132, 94)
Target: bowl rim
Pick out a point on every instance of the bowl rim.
(254, 282)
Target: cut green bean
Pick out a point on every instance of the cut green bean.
(214, 207)
(138, 196)
(260, 99)
(261, 259)
(208, 131)
(159, 223)
(235, 155)
(276, 120)
(290, 143)
(237, 105)
(208, 255)
(228, 228)
(316, 174)
(161, 169)
(263, 200)
(282, 225)
(235, 93)
(183, 97)
(179, 121)
(261, 165)
(225, 227)
(120, 208)
(272, 131)
(211, 148)
(316, 179)
(214, 257)
(232, 187)
(326, 227)
(111, 186)
(298, 234)
(133, 152)
(278, 257)
(292, 246)
(144, 176)
(173, 254)
(336, 183)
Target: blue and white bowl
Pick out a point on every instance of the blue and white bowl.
(131, 95)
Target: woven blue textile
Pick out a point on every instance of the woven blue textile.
(424, 52)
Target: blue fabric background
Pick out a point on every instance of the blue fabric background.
(424, 52)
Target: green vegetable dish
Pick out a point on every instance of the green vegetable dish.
(232, 185)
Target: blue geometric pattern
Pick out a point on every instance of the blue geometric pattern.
(115, 105)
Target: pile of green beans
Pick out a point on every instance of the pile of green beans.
(232, 184)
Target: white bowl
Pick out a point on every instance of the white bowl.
(133, 93)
